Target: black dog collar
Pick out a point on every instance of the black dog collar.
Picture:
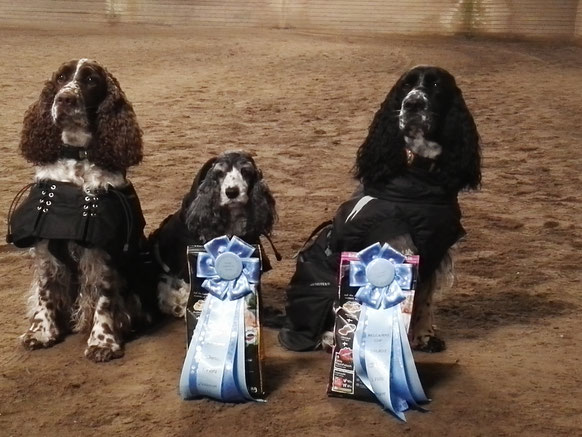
(72, 152)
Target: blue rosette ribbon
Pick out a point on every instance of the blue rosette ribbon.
(215, 361)
(382, 355)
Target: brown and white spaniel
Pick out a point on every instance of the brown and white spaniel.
(82, 217)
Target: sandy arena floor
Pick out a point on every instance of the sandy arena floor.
(302, 104)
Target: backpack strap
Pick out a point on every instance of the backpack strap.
(358, 207)
(313, 234)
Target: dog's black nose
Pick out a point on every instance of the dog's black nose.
(414, 103)
(232, 192)
(66, 99)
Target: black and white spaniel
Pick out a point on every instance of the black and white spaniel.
(82, 217)
(228, 197)
(421, 150)
(424, 118)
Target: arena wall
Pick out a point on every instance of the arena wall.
(557, 19)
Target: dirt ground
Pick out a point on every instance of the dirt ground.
(302, 104)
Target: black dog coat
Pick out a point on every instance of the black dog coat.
(411, 204)
(111, 220)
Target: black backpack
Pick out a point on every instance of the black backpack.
(311, 293)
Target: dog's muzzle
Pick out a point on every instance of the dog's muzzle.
(415, 117)
(68, 105)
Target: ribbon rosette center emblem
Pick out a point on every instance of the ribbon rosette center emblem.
(227, 268)
(380, 272)
(381, 275)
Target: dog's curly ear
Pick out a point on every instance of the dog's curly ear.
(198, 179)
(118, 143)
(461, 158)
(264, 213)
(40, 138)
(382, 155)
(201, 215)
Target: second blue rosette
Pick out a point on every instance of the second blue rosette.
(372, 354)
(223, 359)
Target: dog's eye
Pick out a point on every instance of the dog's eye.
(247, 172)
(61, 78)
(431, 81)
(218, 173)
(91, 80)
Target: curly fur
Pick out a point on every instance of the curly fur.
(82, 289)
(382, 156)
(40, 138)
(117, 141)
(205, 214)
(424, 112)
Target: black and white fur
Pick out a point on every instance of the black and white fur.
(423, 122)
(228, 197)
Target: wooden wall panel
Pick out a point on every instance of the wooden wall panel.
(528, 18)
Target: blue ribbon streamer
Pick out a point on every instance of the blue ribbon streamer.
(215, 360)
(383, 358)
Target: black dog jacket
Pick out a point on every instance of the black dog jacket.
(412, 204)
(111, 219)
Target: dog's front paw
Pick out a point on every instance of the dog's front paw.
(173, 296)
(102, 353)
(37, 339)
(428, 343)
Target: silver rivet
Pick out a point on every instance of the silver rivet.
(53, 187)
(51, 194)
(45, 210)
(41, 201)
(84, 213)
(85, 206)
(48, 203)
(87, 198)
(43, 192)
(39, 207)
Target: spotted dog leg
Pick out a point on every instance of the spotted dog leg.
(101, 307)
(43, 331)
(104, 343)
(48, 292)
(173, 295)
(422, 324)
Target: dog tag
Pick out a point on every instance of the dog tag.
(228, 266)
(380, 272)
